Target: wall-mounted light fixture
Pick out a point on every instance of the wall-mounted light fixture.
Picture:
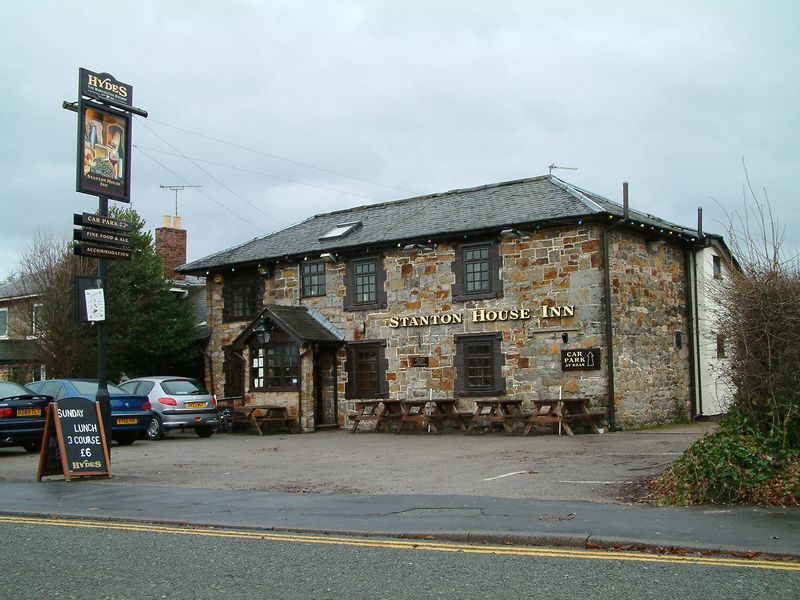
(262, 335)
(511, 233)
(565, 337)
(329, 257)
(263, 271)
(420, 247)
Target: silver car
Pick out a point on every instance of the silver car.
(177, 402)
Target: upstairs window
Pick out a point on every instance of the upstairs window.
(36, 320)
(477, 270)
(313, 279)
(716, 266)
(3, 322)
(364, 280)
(243, 297)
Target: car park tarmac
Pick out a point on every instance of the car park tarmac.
(597, 468)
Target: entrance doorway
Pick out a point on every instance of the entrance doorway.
(325, 411)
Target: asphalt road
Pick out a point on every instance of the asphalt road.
(86, 560)
(597, 468)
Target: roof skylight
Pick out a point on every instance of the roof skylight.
(341, 230)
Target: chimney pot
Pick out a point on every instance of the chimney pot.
(166, 221)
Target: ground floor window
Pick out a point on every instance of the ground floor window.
(479, 362)
(274, 366)
(366, 370)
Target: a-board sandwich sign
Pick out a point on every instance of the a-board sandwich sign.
(74, 442)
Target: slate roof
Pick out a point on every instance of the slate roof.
(301, 323)
(17, 288)
(12, 351)
(545, 199)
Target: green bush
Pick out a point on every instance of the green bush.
(738, 464)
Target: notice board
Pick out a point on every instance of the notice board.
(74, 442)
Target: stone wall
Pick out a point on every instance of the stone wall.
(652, 376)
(555, 267)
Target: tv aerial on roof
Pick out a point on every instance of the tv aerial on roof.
(177, 188)
(555, 166)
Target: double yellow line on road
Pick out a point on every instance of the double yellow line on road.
(409, 544)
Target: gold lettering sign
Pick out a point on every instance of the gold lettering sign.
(483, 315)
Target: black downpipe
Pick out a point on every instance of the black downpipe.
(691, 294)
(611, 416)
(698, 382)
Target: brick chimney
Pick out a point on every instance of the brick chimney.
(171, 245)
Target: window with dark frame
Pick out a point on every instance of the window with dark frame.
(720, 345)
(313, 279)
(274, 366)
(477, 270)
(716, 265)
(479, 362)
(364, 278)
(366, 370)
(243, 297)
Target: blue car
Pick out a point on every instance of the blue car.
(130, 415)
(21, 416)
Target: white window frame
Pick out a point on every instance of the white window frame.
(4, 334)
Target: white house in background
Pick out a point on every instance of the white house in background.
(711, 270)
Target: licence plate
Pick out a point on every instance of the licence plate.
(195, 404)
(130, 421)
(29, 412)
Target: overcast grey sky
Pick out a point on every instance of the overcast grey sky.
(282, 110)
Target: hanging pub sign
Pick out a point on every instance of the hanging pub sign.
(104, 150)
(576, 359)
(74, 441)
(104, 87)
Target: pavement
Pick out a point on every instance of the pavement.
(541, 490)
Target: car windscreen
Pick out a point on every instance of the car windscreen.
(183, 387)
(90, 388)
(9, 388)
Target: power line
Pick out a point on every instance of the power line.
(242, 198)
(253, 172)
(214, 200)
(276, 157)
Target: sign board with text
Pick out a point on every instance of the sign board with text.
(74, 441)
(580, 359)
(104, 150)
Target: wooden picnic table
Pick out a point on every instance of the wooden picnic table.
(413, 411)
(562, 412)
(446, 410)
(380, 411)
(270, 413)
(497, 410)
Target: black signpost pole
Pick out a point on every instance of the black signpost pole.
(103, 397)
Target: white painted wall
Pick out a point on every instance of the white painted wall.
(713, 393)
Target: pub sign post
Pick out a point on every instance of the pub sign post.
(103, 169)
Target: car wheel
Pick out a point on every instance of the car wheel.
(125, 438)
(32, 446)
(155, 431)
(204, 431)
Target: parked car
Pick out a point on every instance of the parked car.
(130, 415)
(178, 402)
(21, 416)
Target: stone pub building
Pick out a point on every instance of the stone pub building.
(526, 289)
